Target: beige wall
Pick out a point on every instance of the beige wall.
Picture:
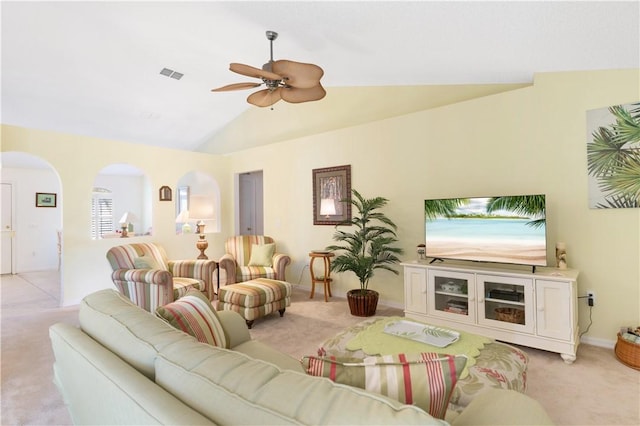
(527, 140)
(530, 140)
(77, 160)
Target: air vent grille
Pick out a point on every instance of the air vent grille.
(171, 73)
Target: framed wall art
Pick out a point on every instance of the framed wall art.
(46, 199)
(165, 193)
(613, 163)
(331, 185)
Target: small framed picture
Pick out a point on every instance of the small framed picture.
(165, 193)
(46, 199)
(331, 195)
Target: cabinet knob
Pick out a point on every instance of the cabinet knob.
(481, 300)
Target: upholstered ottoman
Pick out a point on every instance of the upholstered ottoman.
(492, 364)
(255, 298)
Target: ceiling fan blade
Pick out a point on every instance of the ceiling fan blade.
(250, 71)
(236, 86)
(265, 97)
(298, 74)
(296, 96)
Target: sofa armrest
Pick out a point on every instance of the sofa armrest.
(199, 269)
(228, 264)
(235, 328)
(148, 276)
(280, 262)
(135, 282)
(502, 407)
(99, 386)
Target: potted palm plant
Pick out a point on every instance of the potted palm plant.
(367, 248)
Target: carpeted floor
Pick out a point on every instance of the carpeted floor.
(595, 390)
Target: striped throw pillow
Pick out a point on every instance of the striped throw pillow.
(193, 314)
(425, 379)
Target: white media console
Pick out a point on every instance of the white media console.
(535, 309)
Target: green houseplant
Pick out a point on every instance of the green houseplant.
(366, 249)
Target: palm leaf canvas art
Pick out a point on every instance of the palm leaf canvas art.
(613, 156)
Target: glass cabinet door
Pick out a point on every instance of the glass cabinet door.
(451, 295)
(505, 302)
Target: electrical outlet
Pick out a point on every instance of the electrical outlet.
(591, 298)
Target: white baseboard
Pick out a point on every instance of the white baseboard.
(603, 343)
(343, 295)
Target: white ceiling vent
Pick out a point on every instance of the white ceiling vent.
(171, 73)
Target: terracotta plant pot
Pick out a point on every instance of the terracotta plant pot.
(362, 304)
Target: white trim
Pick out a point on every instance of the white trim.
(594, 341)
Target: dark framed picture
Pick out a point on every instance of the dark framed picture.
(46, 199)
(165, 193)
(331, 185)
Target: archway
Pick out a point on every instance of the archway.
(34, 239)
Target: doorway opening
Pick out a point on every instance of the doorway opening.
(249, 208)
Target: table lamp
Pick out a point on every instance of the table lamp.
(125, 220)
(183, 218)
(201, 209)
(327, 207)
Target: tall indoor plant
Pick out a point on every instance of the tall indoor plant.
(367, 248)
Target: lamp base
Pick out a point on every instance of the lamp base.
(202, 245)
(125, 232)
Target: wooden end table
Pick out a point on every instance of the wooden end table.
(324, 279)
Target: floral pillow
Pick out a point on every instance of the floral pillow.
(425, 379)
(193, 314)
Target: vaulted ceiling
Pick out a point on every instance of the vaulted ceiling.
(93, 68)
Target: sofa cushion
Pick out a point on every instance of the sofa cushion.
(258, 350)
(194, 315)
(261, 254)
(246, 390)
(130, 332)
(426, 379)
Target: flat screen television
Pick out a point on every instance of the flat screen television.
(507, 229)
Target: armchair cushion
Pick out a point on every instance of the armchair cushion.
(145, 262)
(194, 315)
(262, 254)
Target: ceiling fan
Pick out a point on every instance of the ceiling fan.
(291, 81)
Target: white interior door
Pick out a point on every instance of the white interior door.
(6, 219)
(250, 208)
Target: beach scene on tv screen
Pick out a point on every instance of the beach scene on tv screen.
(510, 229)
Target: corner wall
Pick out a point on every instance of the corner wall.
(531, 140)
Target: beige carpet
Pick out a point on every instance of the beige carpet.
(595, 390)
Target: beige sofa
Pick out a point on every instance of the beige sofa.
(125, 366)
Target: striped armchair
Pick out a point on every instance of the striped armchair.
(236, 260)
(143, 273)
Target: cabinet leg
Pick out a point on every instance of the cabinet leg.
(568, 358)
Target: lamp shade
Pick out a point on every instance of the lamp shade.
(128, 217)
(201, 207)
(327, 207)
(183, 217)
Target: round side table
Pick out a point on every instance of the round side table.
(324, 279)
